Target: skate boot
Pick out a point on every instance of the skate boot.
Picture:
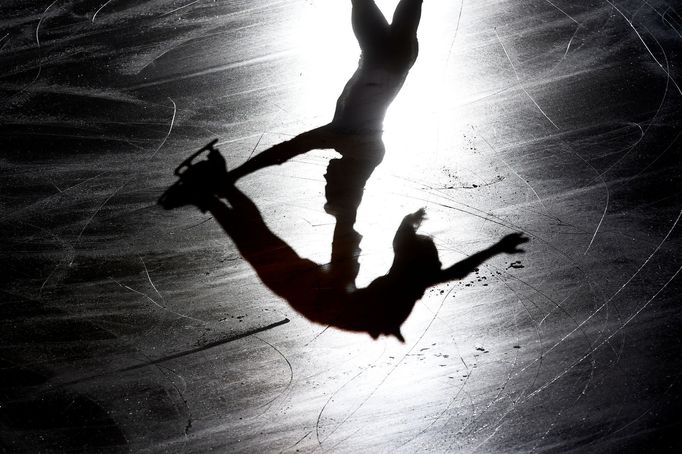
(198, 182)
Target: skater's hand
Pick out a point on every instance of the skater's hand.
(510, 243)
(415, 219)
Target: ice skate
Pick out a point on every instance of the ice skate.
(198, 181)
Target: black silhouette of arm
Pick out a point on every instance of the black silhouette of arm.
(507, 245)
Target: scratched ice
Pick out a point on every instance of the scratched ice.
(126, 327)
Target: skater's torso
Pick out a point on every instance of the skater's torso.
(377, 309)
(365, 98)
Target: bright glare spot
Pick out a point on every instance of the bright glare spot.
(329, 55)
(423, 126)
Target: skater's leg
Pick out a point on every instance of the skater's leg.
(406, 19)
(278, 266)
(346, 177)
(369, 25)
(244, 224)
(282, 152)
(344, 265)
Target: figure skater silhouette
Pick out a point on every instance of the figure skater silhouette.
(388, 52)
(327, 294)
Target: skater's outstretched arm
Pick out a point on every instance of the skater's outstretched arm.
(507, 245)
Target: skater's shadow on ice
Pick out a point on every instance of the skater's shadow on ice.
(327, 294)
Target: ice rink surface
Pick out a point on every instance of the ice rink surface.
(128, 328)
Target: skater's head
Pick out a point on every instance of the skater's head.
(416, 256)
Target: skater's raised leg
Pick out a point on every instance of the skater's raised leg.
(406, 19)
(318, 138)
(369, 25)
(404, 46)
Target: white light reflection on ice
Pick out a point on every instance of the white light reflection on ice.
(418, 124)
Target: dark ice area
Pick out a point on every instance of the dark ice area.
(127, 327)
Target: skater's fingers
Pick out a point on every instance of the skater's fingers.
(518, 237)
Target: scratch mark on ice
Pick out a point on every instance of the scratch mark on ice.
(255, 146)
(667, 73)
(42, 17)
(297, 443)
(611, 298)
(100, 9)
(146, 271)
(4, 41)
(521, 84)
(155, 303)
(563, 12)
(179, 8)
(170, 128)
(390, 372)
(291, 374)
(632, 317)
(601, 221)
(515, 173)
